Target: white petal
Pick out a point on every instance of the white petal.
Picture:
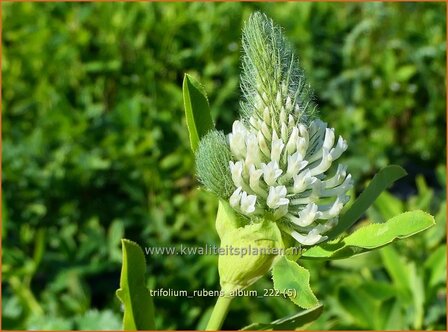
(271, 172)
(276, 149)
(291, 122)
(329, 138)
(253, 152)
(301, 145)
(338, 190)
(236, 169)
(292, 141)
(276, 197)
(248, 203)
(295, 164)
(302, 181)
(338, 178)
(324, 165)
(307, 240)
(237, 139)
(234, 200)
(333, 211)
(281, 190)
(303, 131)
(254, 181)
(341, 146)
(306, 216)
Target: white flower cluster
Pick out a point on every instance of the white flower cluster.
(279, 168)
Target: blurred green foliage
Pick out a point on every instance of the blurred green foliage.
(95, 148)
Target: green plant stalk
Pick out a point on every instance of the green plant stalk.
(26, 295)
(219, 313)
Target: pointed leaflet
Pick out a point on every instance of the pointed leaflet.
(138, 305)
(372, 236)
(197, 110)
(289, 275)
(291, 322)
(382, 180)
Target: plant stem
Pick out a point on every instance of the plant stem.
(219, 313)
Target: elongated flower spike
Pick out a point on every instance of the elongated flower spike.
(280, 162)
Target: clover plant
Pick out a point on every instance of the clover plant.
(280, 185)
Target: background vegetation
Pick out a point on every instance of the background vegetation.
(95, 148)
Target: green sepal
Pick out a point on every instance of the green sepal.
(227, 219)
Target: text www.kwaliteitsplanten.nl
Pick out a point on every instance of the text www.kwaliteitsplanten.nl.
(215, 250)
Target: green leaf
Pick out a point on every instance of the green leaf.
(136, 299)
(399, 272)
(418, 295)
(197, 110)
(404, 73)
(379, 290)
(359, 306)
(437, 234)
(291, 322)
(293, 280)
(436, 266)
(114, 235)
(373, 236)
(394, 319)
(382, 180)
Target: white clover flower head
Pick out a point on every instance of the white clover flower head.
(294, 185)
(280, 162)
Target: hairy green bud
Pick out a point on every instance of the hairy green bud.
(212, 164)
